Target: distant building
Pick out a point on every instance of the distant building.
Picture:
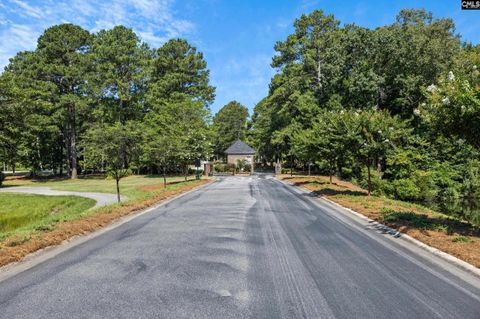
(240, 151)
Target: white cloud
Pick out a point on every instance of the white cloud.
(29, 10)
(155, 21)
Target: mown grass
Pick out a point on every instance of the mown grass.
(447, 233)
(23, 213)
(133, 186)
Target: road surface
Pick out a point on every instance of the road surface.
(242, 247)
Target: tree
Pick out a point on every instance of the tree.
(120, 78)
(63, 62)
(178, 71)
(229, 124)
(453, 108)
(112, 145)
(162, 142)
(376, 133)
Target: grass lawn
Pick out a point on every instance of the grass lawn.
(454, 236)
(32, 222)
(134, 187)
(23, 213)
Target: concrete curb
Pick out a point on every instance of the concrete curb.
(395, 233)
(39, 256)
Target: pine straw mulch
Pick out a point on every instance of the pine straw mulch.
(13, 249)
(453, 236)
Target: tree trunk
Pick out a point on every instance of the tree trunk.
(331, 172)
(319, 70)
(164, 178)
(309, 169)
(291, 165)
(117, 180)
(186, 172)
(369, 180)
(73, 142)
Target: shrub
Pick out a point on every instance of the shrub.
(220, 168)
(379, 185)
(406, 189)
(461, 239)
(193, 171)
(2, 178)
(248, 167)
(241, 165)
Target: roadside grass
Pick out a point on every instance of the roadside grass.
(21, 214)
(130, 186)
(69, 216)
(449, 234)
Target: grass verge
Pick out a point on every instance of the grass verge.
(21, 214)
(15, 246)
(451, 235)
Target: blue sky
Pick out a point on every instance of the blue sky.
(236, 36)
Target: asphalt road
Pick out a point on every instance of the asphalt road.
(242, 247)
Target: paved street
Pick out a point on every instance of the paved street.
(242, 247)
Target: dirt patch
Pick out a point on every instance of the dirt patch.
(156, 187)
(453, 236)
(15, 248)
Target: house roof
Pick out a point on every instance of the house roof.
(240, 148)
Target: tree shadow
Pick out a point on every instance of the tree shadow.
(411, 220)
(332, 192)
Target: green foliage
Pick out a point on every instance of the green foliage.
(241, 164)
(461, 239)
(229, 125)
(53, 100)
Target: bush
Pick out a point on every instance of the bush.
(219, 168)
(193, 171)
(2, 178)
(247, 167)
(241, 164)
(406, 189)
(379, 186)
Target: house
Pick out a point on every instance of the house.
(240, 151)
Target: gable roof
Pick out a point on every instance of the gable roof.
(240, 148)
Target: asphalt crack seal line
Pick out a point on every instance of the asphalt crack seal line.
(47, 253)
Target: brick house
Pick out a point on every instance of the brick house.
(239, 151)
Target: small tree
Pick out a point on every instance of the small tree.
(161, 144)
(377, 132)
(114, 146)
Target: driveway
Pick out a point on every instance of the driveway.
(242, 247)
(101, 198)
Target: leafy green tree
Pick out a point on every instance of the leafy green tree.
(377, 132)
(112, 146)
(178, 71)
(453, 107)
(121, 67)
(162, 142)
(63, 62)
(229, 124)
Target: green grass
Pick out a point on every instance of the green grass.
(129, 186)
(23, 213)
